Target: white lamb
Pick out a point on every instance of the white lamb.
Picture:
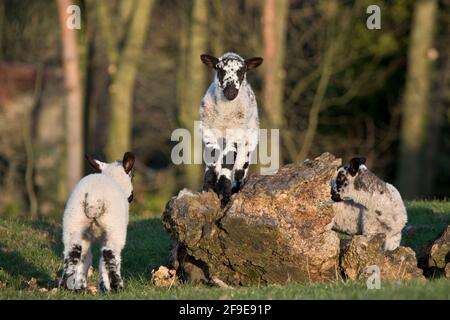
(229, 124)
(97, 209)
(367, 205)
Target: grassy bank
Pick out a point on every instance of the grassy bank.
(32, 249)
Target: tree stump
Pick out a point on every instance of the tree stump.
(275, 230)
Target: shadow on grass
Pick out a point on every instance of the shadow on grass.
(147, 245)
(20, 268)
(425, 223)
(54, 230)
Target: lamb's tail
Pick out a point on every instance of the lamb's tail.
(93, 208)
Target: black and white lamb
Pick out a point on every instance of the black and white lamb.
(365, 204)
(97, 209)
(229, 124)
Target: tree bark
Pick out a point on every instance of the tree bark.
(416, 98)
(122, 87)
(196, 80)
(274, 35)
(74, 105)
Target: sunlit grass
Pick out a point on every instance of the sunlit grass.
(34, 249)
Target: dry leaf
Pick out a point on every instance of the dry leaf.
(164, 277)
(32, 283)
(92, 290)
(90, 272)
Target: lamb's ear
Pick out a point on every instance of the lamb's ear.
(128, 161)
(209, 60)
(95, 164)
(253, 63)
(354, 165)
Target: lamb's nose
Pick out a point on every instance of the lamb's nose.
(230, 92)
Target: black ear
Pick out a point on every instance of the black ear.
(94, 164)
(128, 161)
(253, 63)
(354, 165)
(209, 60)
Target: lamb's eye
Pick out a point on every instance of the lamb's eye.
(221, 74)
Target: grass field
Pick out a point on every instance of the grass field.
(32, 249)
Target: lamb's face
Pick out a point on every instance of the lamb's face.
(230, 74)
(120, 171)
(344, 181)
(231, 71)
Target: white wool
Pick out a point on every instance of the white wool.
(370, 206)
(234, 121)
(97, 208)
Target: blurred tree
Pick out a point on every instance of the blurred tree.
(193, 82)
(218, 27)
(416, 98)
(74, 105)
(436, 161)
(124, 38)
(274, 35)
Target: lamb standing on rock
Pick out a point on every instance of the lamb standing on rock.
(367, 205)
(97, 209)
(229, 124)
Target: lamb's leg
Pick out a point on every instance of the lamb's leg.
(72, 278)
(375, 222)
(86, 258)
(110, 261)
(110, 278)
(224, 185)
(241, 167)
(212, 153)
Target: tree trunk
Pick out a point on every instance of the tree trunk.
(274, 36)
(122, 86)
(218, 27)
(195, 78)
(416, 98)
(440, 98)
(74, 105)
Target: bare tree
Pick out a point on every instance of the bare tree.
(274, 35)
(416, 98)
(194, 80)
(74, 105)
(124, 40)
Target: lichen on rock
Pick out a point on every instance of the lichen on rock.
(362, 252)
(276, 229)
(273, 231)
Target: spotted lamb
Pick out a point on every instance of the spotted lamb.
(364, 204)
(229, 124)
(97, 209)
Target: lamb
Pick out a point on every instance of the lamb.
(364, 204)
(229, 124)
(97, 209)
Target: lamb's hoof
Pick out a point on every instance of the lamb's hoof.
(70, 283)
(224, 199)
(114, 287)
(102, 287)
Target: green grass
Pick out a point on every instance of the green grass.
(33, 249)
